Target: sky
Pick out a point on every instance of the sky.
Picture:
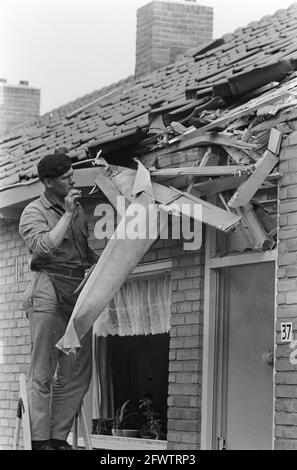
(69, 48)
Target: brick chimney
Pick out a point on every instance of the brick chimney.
(166, 29)
(18, 104)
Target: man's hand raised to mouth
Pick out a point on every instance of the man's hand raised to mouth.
(71, 199)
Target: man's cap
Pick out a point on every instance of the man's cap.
(52, 166)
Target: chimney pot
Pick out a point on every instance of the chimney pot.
(3, 80)
(24, 82)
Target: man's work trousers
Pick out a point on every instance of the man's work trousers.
(57, 382)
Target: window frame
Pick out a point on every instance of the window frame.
(144, 270)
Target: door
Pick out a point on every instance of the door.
(244, 359)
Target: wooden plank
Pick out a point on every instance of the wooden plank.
(207, 159)
(222, 170)
(244, 258)
(210, 215)
(218, 185)
(238, 155)
(178, 127)
(191, 140)
(249, 188)
(242, 111)
(275, 141)
(253, 230)
(210, 138)
(274, 176)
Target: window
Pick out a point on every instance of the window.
(132, 353)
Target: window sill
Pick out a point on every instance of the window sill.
(125, 443)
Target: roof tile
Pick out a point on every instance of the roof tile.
(119, 108)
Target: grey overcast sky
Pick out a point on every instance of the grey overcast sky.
(69, 48)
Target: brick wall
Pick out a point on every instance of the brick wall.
(19, 103)
(168, 29)
(185, 357)
(14, 328)
(285, 371)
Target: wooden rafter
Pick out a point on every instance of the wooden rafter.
(218, 185)
(249, 187)
(222, 170)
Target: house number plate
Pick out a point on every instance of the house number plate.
(286, 332)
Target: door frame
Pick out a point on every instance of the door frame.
(212, 266)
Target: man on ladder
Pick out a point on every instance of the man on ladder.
(55, 230)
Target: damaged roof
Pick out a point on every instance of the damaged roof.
(194, 92)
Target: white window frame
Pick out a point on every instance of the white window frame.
(129, 443)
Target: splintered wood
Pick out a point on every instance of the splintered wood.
(253, 229)
(249, 174)
(238, 163)
(204, 171)
(275, 141)
(249, 188)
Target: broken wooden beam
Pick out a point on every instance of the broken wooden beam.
(190, 140)
(208, 159)
(274, 176)
(122, 182)
(243, 110)
(268, 223)
(211, 138)
(253, 230)
(222, 170)
(178, 127)
(211, 214)
(275, 141)
(249, 188)
(238, 156)
(218, 185)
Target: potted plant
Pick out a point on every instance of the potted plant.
(151, 428)
(102, 426)
(127, 421)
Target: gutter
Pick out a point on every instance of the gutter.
(15, 198)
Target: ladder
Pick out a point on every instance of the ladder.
(23, 418)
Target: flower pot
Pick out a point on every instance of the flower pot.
(130, 432)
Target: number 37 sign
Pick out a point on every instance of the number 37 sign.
(286, 332)
(287, 337)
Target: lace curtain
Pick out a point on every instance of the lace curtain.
(140, 307)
